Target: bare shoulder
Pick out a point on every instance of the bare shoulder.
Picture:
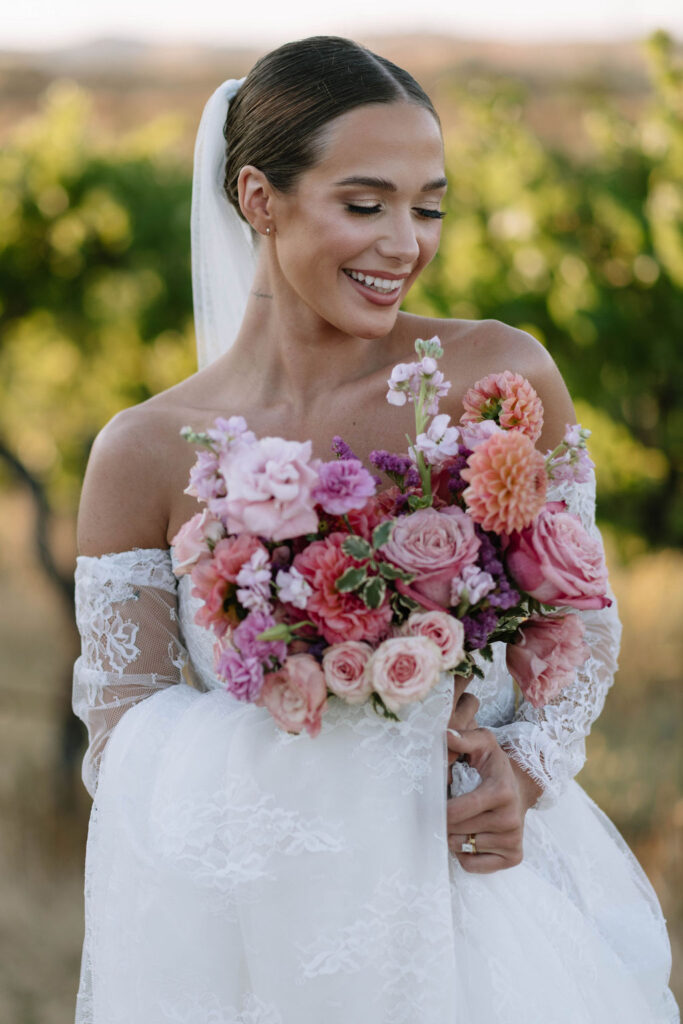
(473, 349)
(124, 501)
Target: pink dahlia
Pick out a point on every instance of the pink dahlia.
(338, 616)
(507, 482)
(507, 398)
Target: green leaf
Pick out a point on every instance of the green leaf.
(392, 572)
(352, 579)
(357, 547)
(373, 592)
(486, 653)
(382, 533)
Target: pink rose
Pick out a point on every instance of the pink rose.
(544, 661)
(338, 616)
(557, 562)
(447, 633)
(296, 695)
(213, 580)
(404, 669)
(436, 546)
(269, 486)
(191, 542)
(344, 666)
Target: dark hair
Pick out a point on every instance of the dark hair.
(275, 121)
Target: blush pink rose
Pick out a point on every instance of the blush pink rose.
(447, 632)
(557, 561)
(296, 695)
(269, 486)
(545, 660)
(191, 542)
(344, 667)
(436, 546)
(338, 616)
(404, 669)
(213, 581)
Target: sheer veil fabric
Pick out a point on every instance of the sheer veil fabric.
(223, 249)
(237, 874)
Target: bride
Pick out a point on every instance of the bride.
(238, 874)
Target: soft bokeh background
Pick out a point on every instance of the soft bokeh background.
(565, 218)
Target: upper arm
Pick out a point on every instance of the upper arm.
(495, 347)
(122, 502)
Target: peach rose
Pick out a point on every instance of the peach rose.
(344, 667)
(447, 632)
(557, 561)
(543, 662)
(436, 546)
(212, 579)
(404, 669)
(191, 542)
(296, 695)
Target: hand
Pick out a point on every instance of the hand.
(465, 707)
(494, 811)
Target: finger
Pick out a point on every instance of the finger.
(463, 713)
(484, 863)
(501, 821)
(460, 684)
(506, 845)
(482, 749)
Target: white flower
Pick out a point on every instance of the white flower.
(472, 584)
(440, 442)
(292, 587)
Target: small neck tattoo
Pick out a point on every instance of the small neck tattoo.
(262, 295)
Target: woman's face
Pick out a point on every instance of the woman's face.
(364, 221)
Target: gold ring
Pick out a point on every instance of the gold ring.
(470, 846)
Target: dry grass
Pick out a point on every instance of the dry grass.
(633, 771)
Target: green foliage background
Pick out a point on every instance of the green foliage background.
(587, 255)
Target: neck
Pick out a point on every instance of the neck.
(286, 352)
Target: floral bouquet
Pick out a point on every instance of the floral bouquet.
(318, 584)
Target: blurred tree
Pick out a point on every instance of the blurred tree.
(589, 258)
(95, 293)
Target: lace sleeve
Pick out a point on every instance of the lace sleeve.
(550, 742)
(126, 610)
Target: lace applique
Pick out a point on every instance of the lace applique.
(227, 839)
(404, 936)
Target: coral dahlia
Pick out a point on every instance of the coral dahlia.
(509, 399)
(507, 482)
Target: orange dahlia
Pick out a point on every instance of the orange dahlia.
(509, 399)
(507, 482)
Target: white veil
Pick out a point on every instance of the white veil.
(223, 251)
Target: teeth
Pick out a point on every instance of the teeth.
(378, 284)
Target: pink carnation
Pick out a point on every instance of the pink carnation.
(557, 562)
(435, 546)
(338, 616)
(269, 486)
(213, 581)
(344, 666)
(243, 676)
(508, 398)
(404, 669)
(507, 482)
(544, 661)
(296, 695)
(343, 485)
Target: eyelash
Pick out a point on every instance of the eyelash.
(429, 214)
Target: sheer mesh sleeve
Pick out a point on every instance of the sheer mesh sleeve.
(549, 742)
(126, 610)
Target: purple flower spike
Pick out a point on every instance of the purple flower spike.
(341, 449)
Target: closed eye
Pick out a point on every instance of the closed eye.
(434, 214)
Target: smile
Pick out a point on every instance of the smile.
(381, 285)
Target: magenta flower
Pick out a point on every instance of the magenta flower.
(243, 676)
(343, 485)
(244, 638)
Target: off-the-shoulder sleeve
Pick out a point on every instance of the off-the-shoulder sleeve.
(126, 610)
(549, 742)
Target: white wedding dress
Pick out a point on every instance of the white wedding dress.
(236, 874)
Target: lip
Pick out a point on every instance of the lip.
(390, 299)
(384, 274)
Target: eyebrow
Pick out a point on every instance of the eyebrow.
(388, 186)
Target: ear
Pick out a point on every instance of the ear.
(255, 195)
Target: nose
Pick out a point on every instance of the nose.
(400, 242)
